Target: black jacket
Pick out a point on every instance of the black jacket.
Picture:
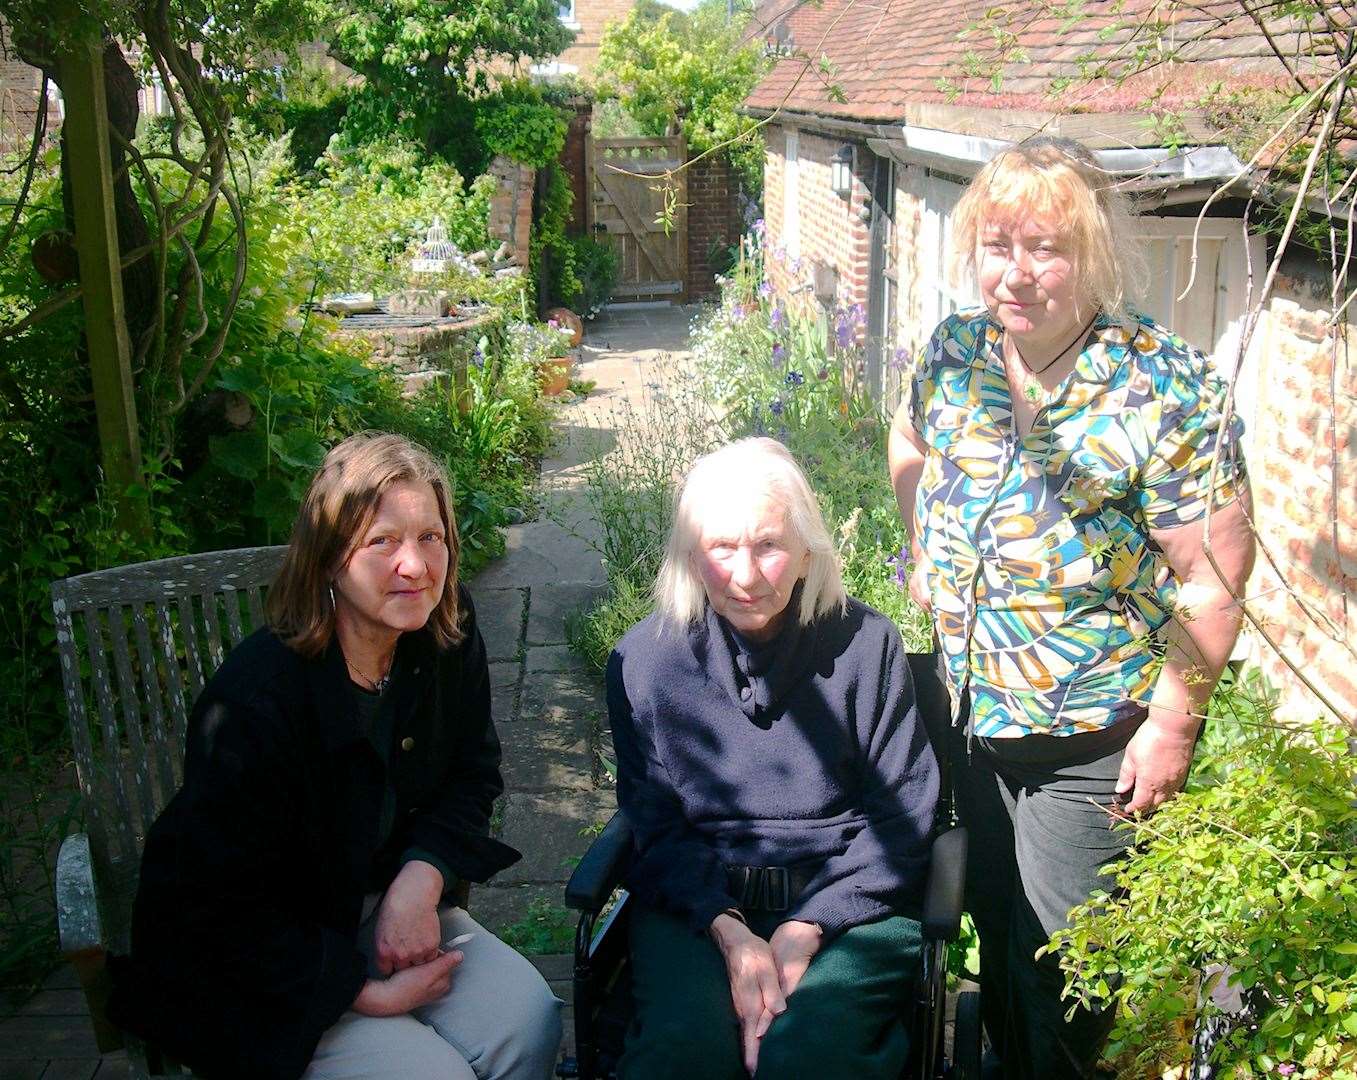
(253, 877)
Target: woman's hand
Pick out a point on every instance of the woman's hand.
(918, 579)
(754, 986)
(408, 989)
(1154, 766)
(407, 921)
(793, 945)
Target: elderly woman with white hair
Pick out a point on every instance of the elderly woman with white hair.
(781, 788)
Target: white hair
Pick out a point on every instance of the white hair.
(763, 467)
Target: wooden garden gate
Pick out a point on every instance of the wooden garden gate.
(627, 196)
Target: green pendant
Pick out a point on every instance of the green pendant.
(1031, 393)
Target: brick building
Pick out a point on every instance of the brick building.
(905, 145)
(588, 18)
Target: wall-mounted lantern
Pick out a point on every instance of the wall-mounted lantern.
(841, 171)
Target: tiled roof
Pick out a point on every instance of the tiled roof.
(884, 56)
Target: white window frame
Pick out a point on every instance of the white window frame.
(565, 11)
(937, 295)
(791, 194)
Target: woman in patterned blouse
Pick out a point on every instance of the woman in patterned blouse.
(1057, 457)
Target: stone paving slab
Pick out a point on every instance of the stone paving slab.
(499, 615)
(550, 659)
(541, 553)
(561, 696)
(556, 757)
(552, 833)
(550, 605)
(504, 684)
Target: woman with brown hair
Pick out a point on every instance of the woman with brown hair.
(295, 912)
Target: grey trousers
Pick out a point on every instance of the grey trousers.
(499, 1021)
(1039, 837)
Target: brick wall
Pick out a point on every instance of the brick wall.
(19, 85)
(834, 232)
(511, 206)
(713, 220)
(1303, 462)
(575, 161)
(593, 17)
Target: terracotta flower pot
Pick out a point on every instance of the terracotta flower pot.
(554, 375)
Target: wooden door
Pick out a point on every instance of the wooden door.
(627, 186)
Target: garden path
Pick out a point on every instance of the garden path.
(547, 705)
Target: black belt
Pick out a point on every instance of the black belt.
(767, 888)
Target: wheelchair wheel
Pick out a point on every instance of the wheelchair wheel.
(967, 1037)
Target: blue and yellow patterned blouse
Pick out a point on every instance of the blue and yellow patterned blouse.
(1043, 583)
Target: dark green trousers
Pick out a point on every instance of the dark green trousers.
(844, 1020)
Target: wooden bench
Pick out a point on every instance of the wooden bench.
(137, 644)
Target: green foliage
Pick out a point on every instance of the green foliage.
(596, 270)
(419, 56)
(1250, 868)
(368, 207)
(551, 252)
(546, 928)
(692, 69)
(519, 123)
(308, 105)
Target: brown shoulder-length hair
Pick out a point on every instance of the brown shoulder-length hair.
(339, 506)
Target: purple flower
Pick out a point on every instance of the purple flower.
(899, 359)
(1285, 1069)
(858, 314)
(899, 561)
(759, 227)
(775, 406)
(778, 318)
(843, 333)
(795, 379)
(779, 354)
(822, 374)
(765, 289)
(478, 359)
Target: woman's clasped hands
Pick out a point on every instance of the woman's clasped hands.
(763, 974)
(407, 950)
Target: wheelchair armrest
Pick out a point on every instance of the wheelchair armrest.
(82, 934)
(601, 869)
(945, 886)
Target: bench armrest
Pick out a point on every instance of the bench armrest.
(601, 869)
(82, 937)
(945, 886)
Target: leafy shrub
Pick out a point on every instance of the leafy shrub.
(1251, 868)
(369, 207)
(596, 270)
(697, 68)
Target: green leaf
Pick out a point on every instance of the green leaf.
(299, 447)
(242, 453)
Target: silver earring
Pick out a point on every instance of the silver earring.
(333, 606)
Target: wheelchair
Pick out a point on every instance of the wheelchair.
(602, 975)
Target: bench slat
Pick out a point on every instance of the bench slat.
(109, 771)
(131, 710)
(177, 720)
(153, 689)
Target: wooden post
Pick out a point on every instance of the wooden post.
(96, 238)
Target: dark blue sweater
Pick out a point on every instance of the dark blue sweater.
(806, 753)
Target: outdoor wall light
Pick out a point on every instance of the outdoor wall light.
(841, 171)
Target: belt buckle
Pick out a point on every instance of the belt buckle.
(777, 888)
